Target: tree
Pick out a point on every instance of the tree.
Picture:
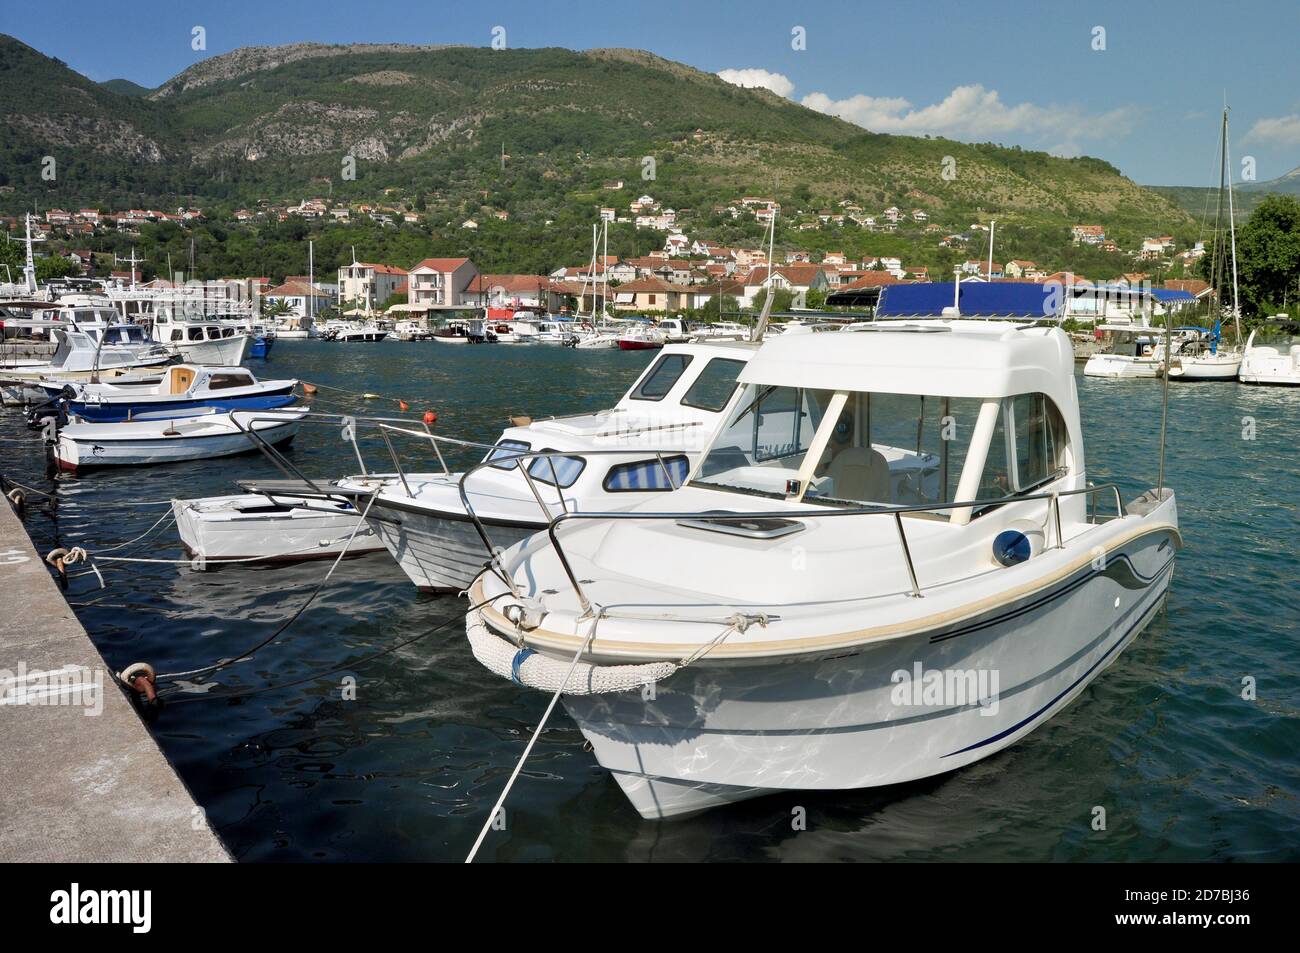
(1268, 254)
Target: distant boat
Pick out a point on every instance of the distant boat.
(1199, 355)
(641, 339)
(1272, 354)
(171, 440)
(185, 387)
(367, 333)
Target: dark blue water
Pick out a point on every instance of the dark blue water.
(1184, 767)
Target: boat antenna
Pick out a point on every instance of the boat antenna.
(761, 327)
(993, 224)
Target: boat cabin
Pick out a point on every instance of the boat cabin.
(902, 415)
(674, 406)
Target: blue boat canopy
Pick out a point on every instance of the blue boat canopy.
(978, 299)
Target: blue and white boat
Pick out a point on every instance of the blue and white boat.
(262, 341)
(184, 388)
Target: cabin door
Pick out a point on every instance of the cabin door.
(182, 378)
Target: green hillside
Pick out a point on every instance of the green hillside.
(269, 122)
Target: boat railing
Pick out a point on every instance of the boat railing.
(896, 513)
(384, 427)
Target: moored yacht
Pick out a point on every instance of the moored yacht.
(797, 617)
(1272, 354)
(183, 388)
(640, 448)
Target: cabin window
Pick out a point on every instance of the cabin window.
(195, 334)
(1027, 449)
(177, 334)
(505, 449)
(661, 378)
(715, 385)
(647, 475)
(226, 381)
(557, 471)
(761, 448)
(1040, 439)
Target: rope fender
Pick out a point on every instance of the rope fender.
(534, 670)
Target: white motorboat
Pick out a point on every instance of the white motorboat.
(369, 333)
(1272, 353)
(535, 330)
(643, 338)
(720, 331)
(471, 331)
(182, 389)
(794, 619)
(173, 439)
(1132, 353)
(600, 341)
(215, 343)
(115, 352)
(640, 448)
(271, 527)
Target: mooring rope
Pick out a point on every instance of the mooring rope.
(342, 667)
(218, 666)
(537, 733)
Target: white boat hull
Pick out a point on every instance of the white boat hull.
(81, 446)
(225, 352)
(1121, 367)
(251, 526)
(716, 734)
(438, 554)
(1205, 368)
(1267, 366)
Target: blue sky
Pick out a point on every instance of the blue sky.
(1017, 73)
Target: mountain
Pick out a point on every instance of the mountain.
(1289, 184)
(127, 88)
(429, 125)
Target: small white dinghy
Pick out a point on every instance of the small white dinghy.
(171, 440)
(271, 527)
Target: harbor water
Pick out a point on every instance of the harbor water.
(291, 767)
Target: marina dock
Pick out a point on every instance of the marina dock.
(83, 779)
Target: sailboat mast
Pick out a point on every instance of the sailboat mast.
(1216, 262)
(1232, 231)
(311, 279)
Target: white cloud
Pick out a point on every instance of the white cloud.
(975, 113)
(751, 78)
(1281, 131)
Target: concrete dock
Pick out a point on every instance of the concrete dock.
(81, 778)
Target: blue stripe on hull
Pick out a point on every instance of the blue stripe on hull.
(119, 411)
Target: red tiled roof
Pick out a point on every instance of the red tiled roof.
(440, 264)
(873, 279)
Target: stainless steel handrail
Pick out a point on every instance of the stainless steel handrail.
(812, 512)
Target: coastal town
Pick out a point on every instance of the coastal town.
(684, 275)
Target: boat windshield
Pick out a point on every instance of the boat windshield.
(763, 445)
(856, 448)
(1280, 336)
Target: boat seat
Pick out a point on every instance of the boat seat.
(861, 474)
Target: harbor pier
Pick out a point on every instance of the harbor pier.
(83, 779)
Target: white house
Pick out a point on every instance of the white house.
(369, 283)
